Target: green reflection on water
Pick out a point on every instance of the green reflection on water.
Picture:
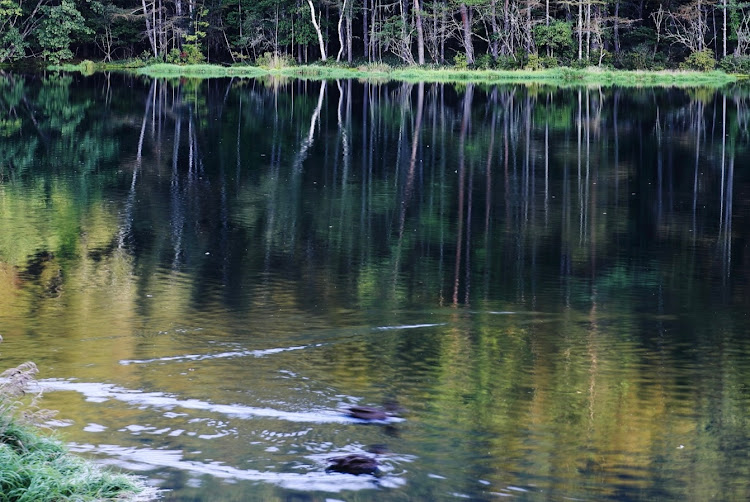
(551, 282)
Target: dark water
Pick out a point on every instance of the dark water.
(551, 283)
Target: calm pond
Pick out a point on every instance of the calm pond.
(551, 283)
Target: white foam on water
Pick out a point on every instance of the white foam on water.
(408, 326)
(146, 459)
(219, 355)
(102, 392)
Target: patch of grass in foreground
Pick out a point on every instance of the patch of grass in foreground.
(38, 468)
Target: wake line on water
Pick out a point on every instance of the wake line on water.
(408, 326)
(257, 353)
(143, 459)
(102, 392)
(220, 355)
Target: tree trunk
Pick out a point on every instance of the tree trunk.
(317, 30)
(341, 34)
(443, 31)
(151, 33)
(349, 34)
(724, 35)
(580, 29)
(617, 27)
(365, 32)
(495, 31)
(406, 54)
(420, 32)
(466, 25)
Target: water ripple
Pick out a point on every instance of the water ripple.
(101, 392)
(144, 459)
(220, 355)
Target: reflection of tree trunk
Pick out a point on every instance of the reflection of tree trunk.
(129, 204)
(699, 115)
(143, 125)
(461, 188)
(410, 176)
(723, 156)
(727, 258)
(546, 172)
(308, 141)
(488, 194)
(413, 157)
(177, 218)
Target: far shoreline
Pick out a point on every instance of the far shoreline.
(377, 72)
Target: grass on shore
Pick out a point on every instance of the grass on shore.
(37, 468)
(559, 76)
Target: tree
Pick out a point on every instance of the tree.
(316, 25)
(57, 30)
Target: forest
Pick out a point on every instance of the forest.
(501, 34)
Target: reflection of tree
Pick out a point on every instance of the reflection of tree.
(336, 204)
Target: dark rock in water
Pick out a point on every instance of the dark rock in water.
(353, 464)
(367, 413)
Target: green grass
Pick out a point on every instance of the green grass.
(37, 468)
(559, 76)
(450, 75)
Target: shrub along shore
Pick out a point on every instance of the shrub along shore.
(562, 75)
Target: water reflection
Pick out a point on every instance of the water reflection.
(551, 281)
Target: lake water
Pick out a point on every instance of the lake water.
(551, 283)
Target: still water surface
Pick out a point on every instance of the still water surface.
(551, 283)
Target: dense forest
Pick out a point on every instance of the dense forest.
(632, 34)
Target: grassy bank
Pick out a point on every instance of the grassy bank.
(37, 468)
(560, 76)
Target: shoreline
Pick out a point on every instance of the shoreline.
(558, 76)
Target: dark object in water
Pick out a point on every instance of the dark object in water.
(354, 464)
(378, 449)
(367, 413)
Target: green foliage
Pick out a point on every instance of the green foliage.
(484, 62)
(190, 54)
(557, 37)
(700, 60)
(274, 61)
(735, 64)
(642, 57)
(459, 61)
(61, 24)
(12, 44)
(537, 62)
(508, 62)
(87, 67)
